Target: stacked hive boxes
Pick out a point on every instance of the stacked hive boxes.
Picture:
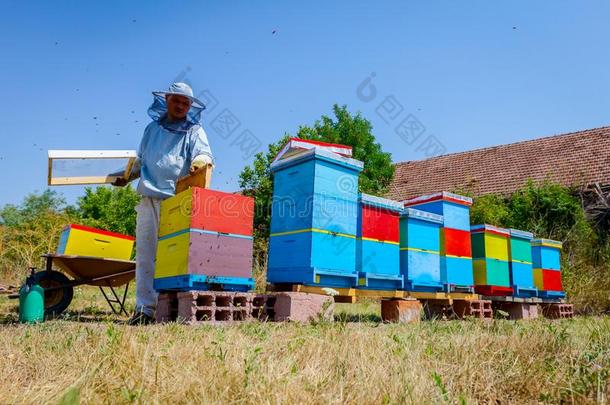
(377, 248)
(314, 219)
(547, 267)
(82, 240)
(521, 271)
(205, 241)
(490, 252)
(456, 251)
(420, 261)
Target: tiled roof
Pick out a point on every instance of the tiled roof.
(573, 159)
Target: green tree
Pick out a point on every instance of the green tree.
(32, 207)
(109, 208)
(344, 128)
(357, 132)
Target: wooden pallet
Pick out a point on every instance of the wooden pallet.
(508, 298)
(350, 295)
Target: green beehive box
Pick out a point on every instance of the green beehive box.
(520, 247)
(491, 272)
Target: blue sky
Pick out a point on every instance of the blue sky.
(471, 73)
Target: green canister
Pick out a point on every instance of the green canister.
(31, 301)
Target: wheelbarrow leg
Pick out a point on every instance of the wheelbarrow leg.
(116, 300)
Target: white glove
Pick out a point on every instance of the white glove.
(200, 161)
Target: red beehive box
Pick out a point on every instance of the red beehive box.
(456, 242)
(379, 223)
(208, 210)
(551, 280)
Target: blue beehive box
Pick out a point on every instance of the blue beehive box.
(377, 245)
(456, 273)
(314, 220)
(546, 254)
(420, 260)
(454, 208)
(521, 269)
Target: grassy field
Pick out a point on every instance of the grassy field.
(93, 357)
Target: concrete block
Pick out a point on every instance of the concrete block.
(303, 307)
(518, 310)
(217, 307)
(557, 310)
(167, 307)
(474, 308)
(401, 311)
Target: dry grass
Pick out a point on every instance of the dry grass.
(340, 362)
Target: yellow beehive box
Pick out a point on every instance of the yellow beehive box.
(79, 240)
(173, 256)
(489, 242)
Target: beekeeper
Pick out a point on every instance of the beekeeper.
(173, 144)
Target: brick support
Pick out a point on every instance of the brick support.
(401, 311)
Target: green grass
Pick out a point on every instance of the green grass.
(91, 356)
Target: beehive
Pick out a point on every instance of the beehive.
(490, 247)
(420, 260)
(521, 270)
(454, 208)
(314, 219)
(80, 240)
(205, 241)
(455, 245)
(546, 254)
(546, 257)
(377, 243)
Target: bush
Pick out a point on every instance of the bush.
(29, 230)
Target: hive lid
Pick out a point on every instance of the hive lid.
(296, 145)
(379, 202)
(317, 153)
(547, 243)
(489, 229)
(521, 234)
(444, 196)
(423, 215)
(98, 231)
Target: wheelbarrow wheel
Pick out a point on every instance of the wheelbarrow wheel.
(58, 299)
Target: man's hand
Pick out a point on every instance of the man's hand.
(119, 182)
(200, 161)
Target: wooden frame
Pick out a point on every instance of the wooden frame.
(130, 155)
(201, 177)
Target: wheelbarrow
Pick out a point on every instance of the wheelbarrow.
(109, 275)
